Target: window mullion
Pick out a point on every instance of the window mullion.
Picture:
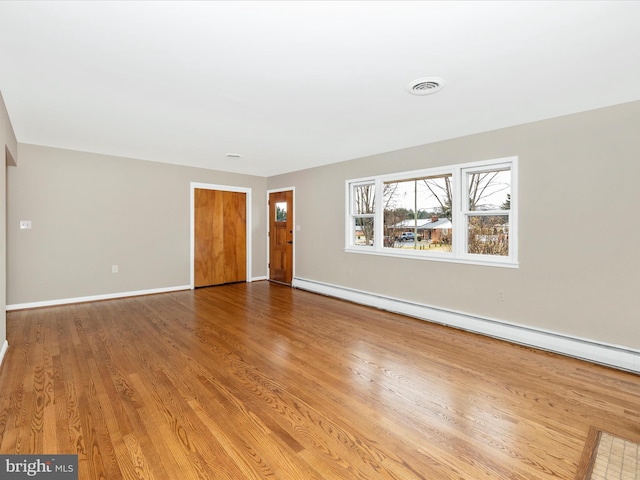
(458, 220)
(349, 223)
(378, 219)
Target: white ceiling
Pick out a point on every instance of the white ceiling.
(291, 85)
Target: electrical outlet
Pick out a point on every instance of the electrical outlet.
(500, 295)
(114, 268)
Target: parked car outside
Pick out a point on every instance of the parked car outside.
(407, 237)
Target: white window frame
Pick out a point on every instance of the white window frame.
(460, 214)
(352, 215)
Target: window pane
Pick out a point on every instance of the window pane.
(430, 227)
(281, 212)
(363, 231)
(363, 199)
(489, 190)
(488, 235)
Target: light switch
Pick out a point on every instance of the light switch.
(25, 224)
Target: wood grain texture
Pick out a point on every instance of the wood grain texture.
(281, 238)
(585, 466)
(260, 381)
(220, 237)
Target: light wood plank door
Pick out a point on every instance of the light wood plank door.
(281, 236)
(220, 237)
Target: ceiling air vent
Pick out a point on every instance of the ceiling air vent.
(425, 86)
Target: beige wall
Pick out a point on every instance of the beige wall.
(8, 146)
(90, 212)
(579, 256)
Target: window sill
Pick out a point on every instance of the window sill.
(434, 257)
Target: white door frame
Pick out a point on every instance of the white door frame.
(224, 188)
(295, 228)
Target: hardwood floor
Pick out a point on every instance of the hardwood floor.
(260, 381)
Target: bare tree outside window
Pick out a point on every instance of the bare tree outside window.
(413, 210)
(440, 188)
(486, 191)
(489, 192)
(488, 235)
(364, 210)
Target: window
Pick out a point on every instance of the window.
(281, 211)
(417, 213)
(461, 213)
(362, 212)
(487, 211)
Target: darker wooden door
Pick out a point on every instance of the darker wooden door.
(220, 254)
(281, 237)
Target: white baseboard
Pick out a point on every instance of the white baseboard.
(620, 357)
(108, 296)
(93, 298)
(5, 347)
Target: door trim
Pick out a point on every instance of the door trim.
(224, 188)
(295, 229)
